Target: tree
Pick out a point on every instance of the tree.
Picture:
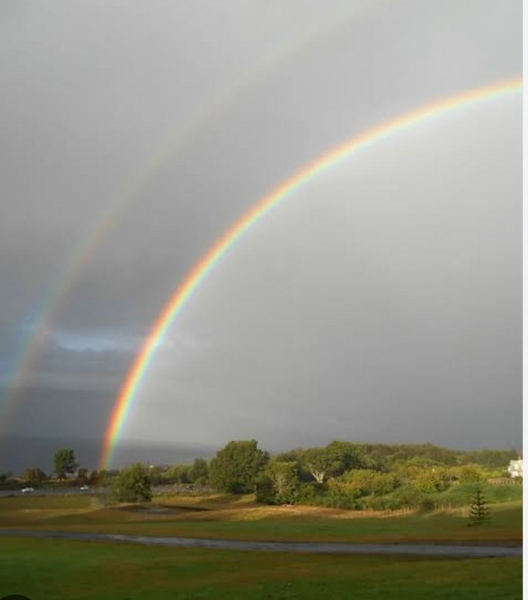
(65, 462)
(471, 474)
(297, 456)
(325, 462)
(492, 459)
(178, 474)
(82, 475)
(107, 474)
(34, 475)
(279, 483)
(155, 475)
(132, 485)
(479, 512)
(364, 482)
(317, 461)
(94, 477)
(346, 456)
(432, 479)
(199, 470)
(236, 467)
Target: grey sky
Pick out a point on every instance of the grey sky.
(382, 302)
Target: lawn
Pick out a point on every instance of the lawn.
(61, 570)
(239, 518)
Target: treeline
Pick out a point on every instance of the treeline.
(346, 475)
(316, 463)
(342, 474)
(67, 472)
(360, 476)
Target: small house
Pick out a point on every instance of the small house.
(515, 468)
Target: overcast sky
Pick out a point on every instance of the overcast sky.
(381, 302)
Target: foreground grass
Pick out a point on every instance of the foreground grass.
(90, 570)
(239, 518)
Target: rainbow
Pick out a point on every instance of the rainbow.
(259, 210)
(54, 297)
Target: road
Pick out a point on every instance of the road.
(72, 490)
(311, 547)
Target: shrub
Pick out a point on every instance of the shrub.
(132, 485)
(363, 482)
(427, 505)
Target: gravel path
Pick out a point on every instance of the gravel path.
(312, 547)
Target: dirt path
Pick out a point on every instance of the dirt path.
(312, 547)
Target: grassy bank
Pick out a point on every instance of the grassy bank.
(240, 518)
(88, 571)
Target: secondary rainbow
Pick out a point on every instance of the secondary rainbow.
(55, 296)
(183, 292)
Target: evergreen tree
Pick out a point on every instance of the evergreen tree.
(479, 512)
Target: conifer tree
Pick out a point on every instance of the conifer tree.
(479, 512)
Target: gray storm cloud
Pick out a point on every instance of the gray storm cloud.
(381, 302)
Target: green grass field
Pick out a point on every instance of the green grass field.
(239, 518)
(42, 569)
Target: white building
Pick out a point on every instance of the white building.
(515, 468)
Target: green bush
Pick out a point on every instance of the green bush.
(132, 485)
(427, 505)
(406, 496)
(264, 492)
(363, 482)
(309, 493)
(335, 500)
(388, 502)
